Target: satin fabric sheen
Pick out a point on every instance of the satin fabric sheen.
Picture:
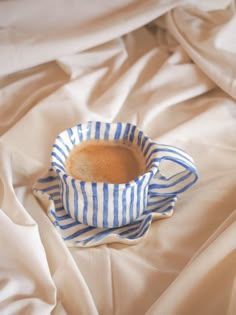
(166, 66)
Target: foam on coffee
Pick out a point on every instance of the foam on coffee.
(105, 161)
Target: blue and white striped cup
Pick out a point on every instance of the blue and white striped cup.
(109, 205)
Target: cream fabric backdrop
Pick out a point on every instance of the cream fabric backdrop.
(65, 62)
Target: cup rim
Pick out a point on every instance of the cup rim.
(62, 173)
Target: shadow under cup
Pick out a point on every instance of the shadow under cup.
(107, 205)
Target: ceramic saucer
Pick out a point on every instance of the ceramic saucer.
(75, 234)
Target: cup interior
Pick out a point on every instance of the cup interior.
(121, 132)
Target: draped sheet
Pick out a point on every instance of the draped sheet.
(166, 66)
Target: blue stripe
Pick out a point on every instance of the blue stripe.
(57, 193)
(63, 217)
(105, 205)
(162, 177)
(88, 136)
(95, 204)
(58, 166)
(140, 134)
(60, 218)
(131, 214)
(116, 205)
(183, 188)
(182, 163)
(124, 207)
(163, 211)
(80, 132)
(145, 197)
(97, 130)
(139, 234)
(145, 224)
(60, 150)
(128, 231)
(178, 149)
(160, 198)
(131, 136)
(148, 147)
(118, 131)
(55, 223)
(71, 136)
(78, 233)
(160, 205)
(158, 201)
(58, 158)
(188, 185)
(85, 208)
(58, 201)
(60, 209)
(67, 195)
(139, 190)
(106, 133)
(104, 233)
(168, 179)
(76, 201)
(153, 162)
(69, 225)
(97, 237)
(171, 184)
(126, 133)
(51, 188)
(144, 142)
(64, 144)
(168, 150)
(62, 192)
(47, 179)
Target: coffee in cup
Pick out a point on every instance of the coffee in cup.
(106, 161)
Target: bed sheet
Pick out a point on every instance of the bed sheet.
(168, 67)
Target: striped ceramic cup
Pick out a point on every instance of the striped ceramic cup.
(112, 205)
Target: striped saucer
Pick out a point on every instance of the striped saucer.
(76, 234)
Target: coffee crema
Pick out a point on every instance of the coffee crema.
(105, 161)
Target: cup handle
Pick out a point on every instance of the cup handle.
(177, 183)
